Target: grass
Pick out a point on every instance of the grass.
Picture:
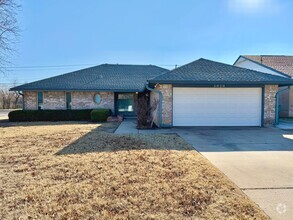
(79, 170)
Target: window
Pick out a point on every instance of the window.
(40, 100)
(97, 98)
(68, 100)
(125, 104)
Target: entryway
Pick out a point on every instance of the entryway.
(125, 104)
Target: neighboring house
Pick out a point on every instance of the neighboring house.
(276, 65)
(201, 93)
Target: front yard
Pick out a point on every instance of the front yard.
(80, 170)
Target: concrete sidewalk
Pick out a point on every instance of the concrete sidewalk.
(127, 126)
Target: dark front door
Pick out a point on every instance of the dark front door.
(125, 104)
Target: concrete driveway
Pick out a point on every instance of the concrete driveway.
(258, 160)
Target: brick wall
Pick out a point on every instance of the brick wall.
(269, 104)
(54, 100)
(167, 103)
(30, 100)
(85, 100)
(79, 100)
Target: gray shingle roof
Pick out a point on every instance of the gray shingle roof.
(105, 77)
(204, 72)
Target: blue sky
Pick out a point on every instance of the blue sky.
(160, 32)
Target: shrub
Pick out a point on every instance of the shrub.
(100, 115)
(144, 110)
(50, 115)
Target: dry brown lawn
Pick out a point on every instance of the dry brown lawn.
(83, 171)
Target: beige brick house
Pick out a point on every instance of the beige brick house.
(201, 93)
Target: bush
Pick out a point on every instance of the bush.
(144, 110)
(50, 115)
(100, 115)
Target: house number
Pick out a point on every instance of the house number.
(219, 86)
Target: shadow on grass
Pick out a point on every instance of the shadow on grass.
(100, 140)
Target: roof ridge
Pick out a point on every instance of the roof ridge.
(202, 67)
(125, 64)
(100, 74)
(169, 71)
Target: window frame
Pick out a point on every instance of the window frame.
(40, 104)
(100, 98)
(68, 103)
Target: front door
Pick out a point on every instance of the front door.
(125, 104)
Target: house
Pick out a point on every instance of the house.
(200, 93)
(276, 65)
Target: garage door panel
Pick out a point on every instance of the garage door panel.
(216, 106)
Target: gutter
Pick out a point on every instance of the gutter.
(277, 104)
(160, 103)
(287, 82)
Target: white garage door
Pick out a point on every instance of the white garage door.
(216, 106)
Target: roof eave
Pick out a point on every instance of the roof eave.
(284, 83)
(77, 90)
(237, 60)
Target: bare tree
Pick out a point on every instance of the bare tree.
(8, 99)
(8, 30)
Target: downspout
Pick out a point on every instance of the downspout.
(277, 104)
(160, 102)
